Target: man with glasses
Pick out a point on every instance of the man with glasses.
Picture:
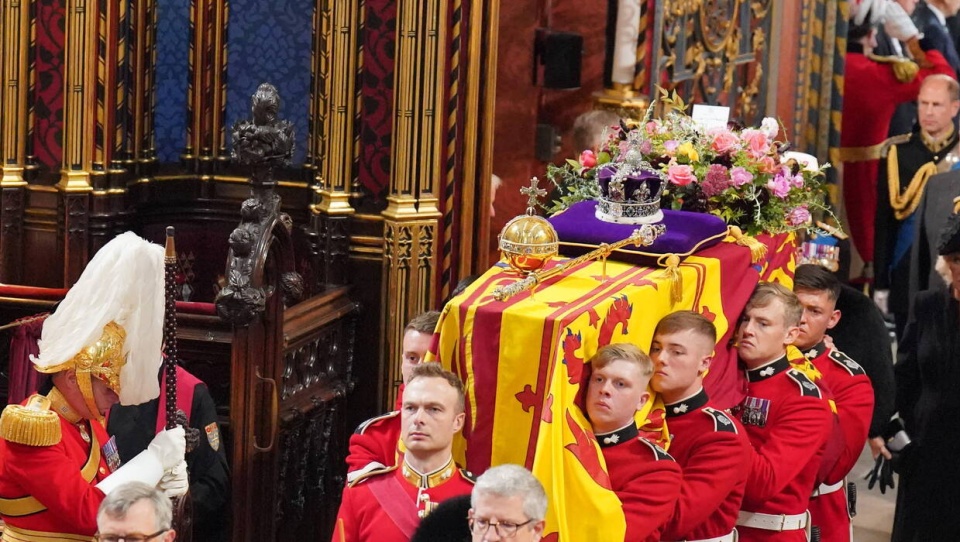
(507, 503)
(386, 505)
(132, 511)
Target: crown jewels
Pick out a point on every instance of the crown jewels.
(630, 192)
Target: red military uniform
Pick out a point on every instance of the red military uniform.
(644, 477)
(788, 423)
(49, 490)
(714, 456)
(386, 505)
(376, 443)
(872, 94)
(853, 395)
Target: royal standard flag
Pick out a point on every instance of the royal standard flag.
(523, 360)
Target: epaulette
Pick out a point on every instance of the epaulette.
(894, 140)
(658, 453)
(807, 387)
(847, 363)
(371, 474)
(33, 424)
(468, 476)
(364, 425)
(721, 422)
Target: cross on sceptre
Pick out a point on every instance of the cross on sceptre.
(533, 194)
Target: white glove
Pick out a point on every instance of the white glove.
(169, 446)
(175, 481)
(881, 297)
(897, 23)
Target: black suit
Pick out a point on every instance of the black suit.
(928, 377)
(936, 35)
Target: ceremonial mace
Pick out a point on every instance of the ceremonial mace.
(182, 505)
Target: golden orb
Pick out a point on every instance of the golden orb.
(528, 242)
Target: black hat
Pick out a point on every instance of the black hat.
(950, 236)
(446, 523)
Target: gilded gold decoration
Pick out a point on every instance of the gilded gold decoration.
(643, 236)
(528, 242)
(15, 32)
(33, 424)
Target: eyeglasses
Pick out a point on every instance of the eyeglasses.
(127, 538)
(503, 528)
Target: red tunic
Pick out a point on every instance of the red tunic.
(386, 506)
(714, 456)
(374, 445)
(872, 93)
(787, 422)
(853, 395)
(52, 476)
(646, 480)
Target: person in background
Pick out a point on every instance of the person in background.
(928, 377)
(136, 511)
(376, 442)
(507, 503)
(134, 426)
(818, 290)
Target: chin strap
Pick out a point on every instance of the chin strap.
(85, 382)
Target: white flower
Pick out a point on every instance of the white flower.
(770, 127)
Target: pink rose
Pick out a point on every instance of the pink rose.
(779, 186)
(588, 159)
(671, 146)
(681, 175)
(651, 127)
(724, 141)
(756, 143)
(740, 176)
(797, 180)
(798, 215)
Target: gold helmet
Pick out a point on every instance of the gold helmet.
(110, 324)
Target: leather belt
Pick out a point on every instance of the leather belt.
(773, 522)
(825, 489)
(729, 537)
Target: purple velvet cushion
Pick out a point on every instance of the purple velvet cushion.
(580, 232)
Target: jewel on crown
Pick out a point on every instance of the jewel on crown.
(630, 190)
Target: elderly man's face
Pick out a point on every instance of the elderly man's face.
(139, 523)
(497, 518)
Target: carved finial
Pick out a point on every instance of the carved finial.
(533, 194)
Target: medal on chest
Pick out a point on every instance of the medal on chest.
(754, 411)
(111, 454)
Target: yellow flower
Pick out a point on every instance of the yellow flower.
(686, 149)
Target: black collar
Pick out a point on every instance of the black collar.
(815, 350)
(694, 402)
(619, 436)
(768, 370)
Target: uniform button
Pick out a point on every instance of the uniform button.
(103, 470)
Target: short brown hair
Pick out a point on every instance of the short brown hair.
(425, 322)
(812, 277)
(434, 370)
(767, 292)
(626, 352)
(678, 321)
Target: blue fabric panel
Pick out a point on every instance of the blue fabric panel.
(173, 47)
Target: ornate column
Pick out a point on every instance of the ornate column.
(335, 131)
(14, 29)
(206, 86)
(410, 267)
(79, 125)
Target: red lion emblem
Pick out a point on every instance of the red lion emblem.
(619, 313)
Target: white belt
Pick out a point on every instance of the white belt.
(824, 489)
(772, 522)
(729, 537)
